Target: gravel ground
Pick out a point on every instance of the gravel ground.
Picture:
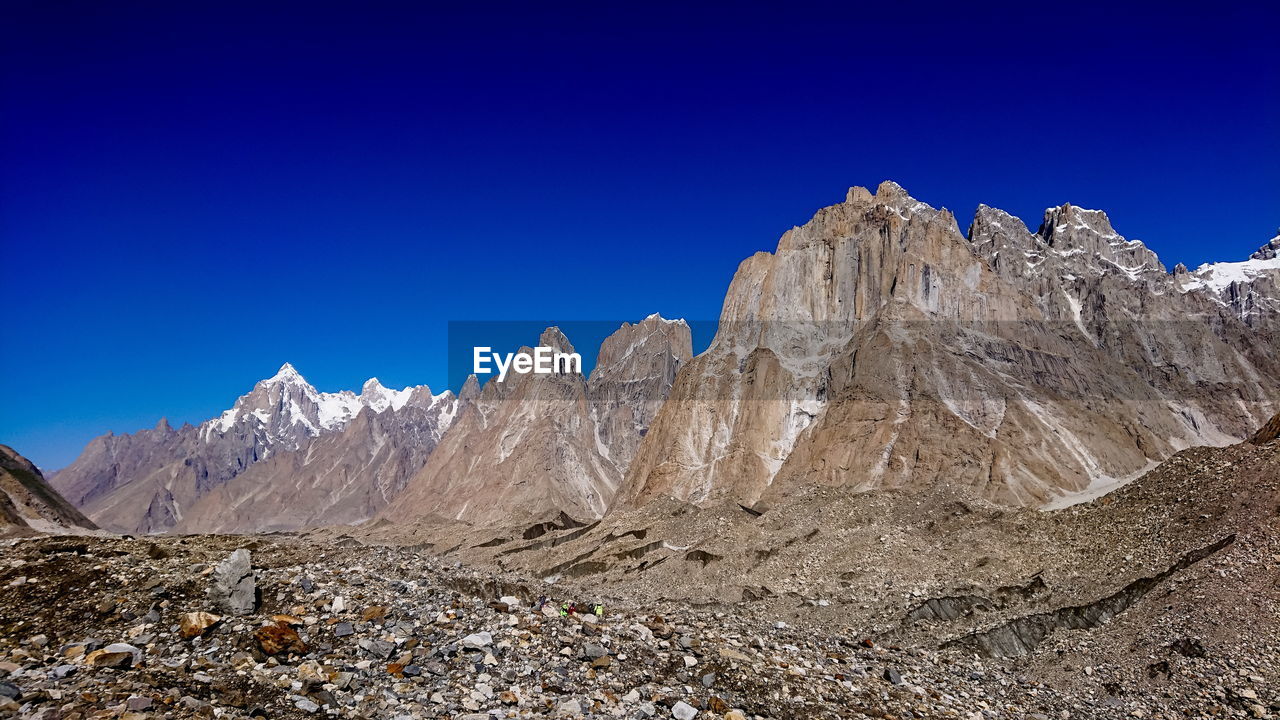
(103, 627)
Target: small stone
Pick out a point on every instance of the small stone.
(75, 651)
(312, 671)
(478, 640)
(116, 655)
(11, 691)
(343, 629)
(276, 639)
(891, 676)
(194, 624)
(570, 707)
(683, 711)
(306, 705)
(734, 715)
(138, 702)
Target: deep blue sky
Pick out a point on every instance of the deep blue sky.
(192, 193)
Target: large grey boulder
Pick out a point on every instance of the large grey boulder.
(233, 589)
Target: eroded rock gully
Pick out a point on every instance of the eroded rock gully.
(1021, 635)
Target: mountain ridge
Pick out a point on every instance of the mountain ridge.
(147, 481)
(878, 345)
(856, 318)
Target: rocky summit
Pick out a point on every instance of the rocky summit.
(919, 472)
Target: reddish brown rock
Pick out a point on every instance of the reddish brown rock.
(276, 639)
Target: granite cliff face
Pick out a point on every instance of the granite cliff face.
(28, 505)
(880, 347)
(152, 480)
(633, 374)
(532, 447)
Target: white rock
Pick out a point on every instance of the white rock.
(683, 711)
(477, 640)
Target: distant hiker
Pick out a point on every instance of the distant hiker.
(564, 609)
(599, 610)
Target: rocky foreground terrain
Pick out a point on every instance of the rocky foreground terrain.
(1169, 609)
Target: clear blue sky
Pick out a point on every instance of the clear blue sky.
(193, 193)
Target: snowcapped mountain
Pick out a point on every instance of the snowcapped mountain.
(149, 481)
(1249, 288)
(286, 406)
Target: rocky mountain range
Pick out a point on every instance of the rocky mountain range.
(309, 451)
(881, 347)
(537, 446)
(878, 346)
(918, 472)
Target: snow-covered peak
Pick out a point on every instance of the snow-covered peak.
(286, 405)
(1219, 276)
(378, 398)
(657, 317)
(286, 374)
